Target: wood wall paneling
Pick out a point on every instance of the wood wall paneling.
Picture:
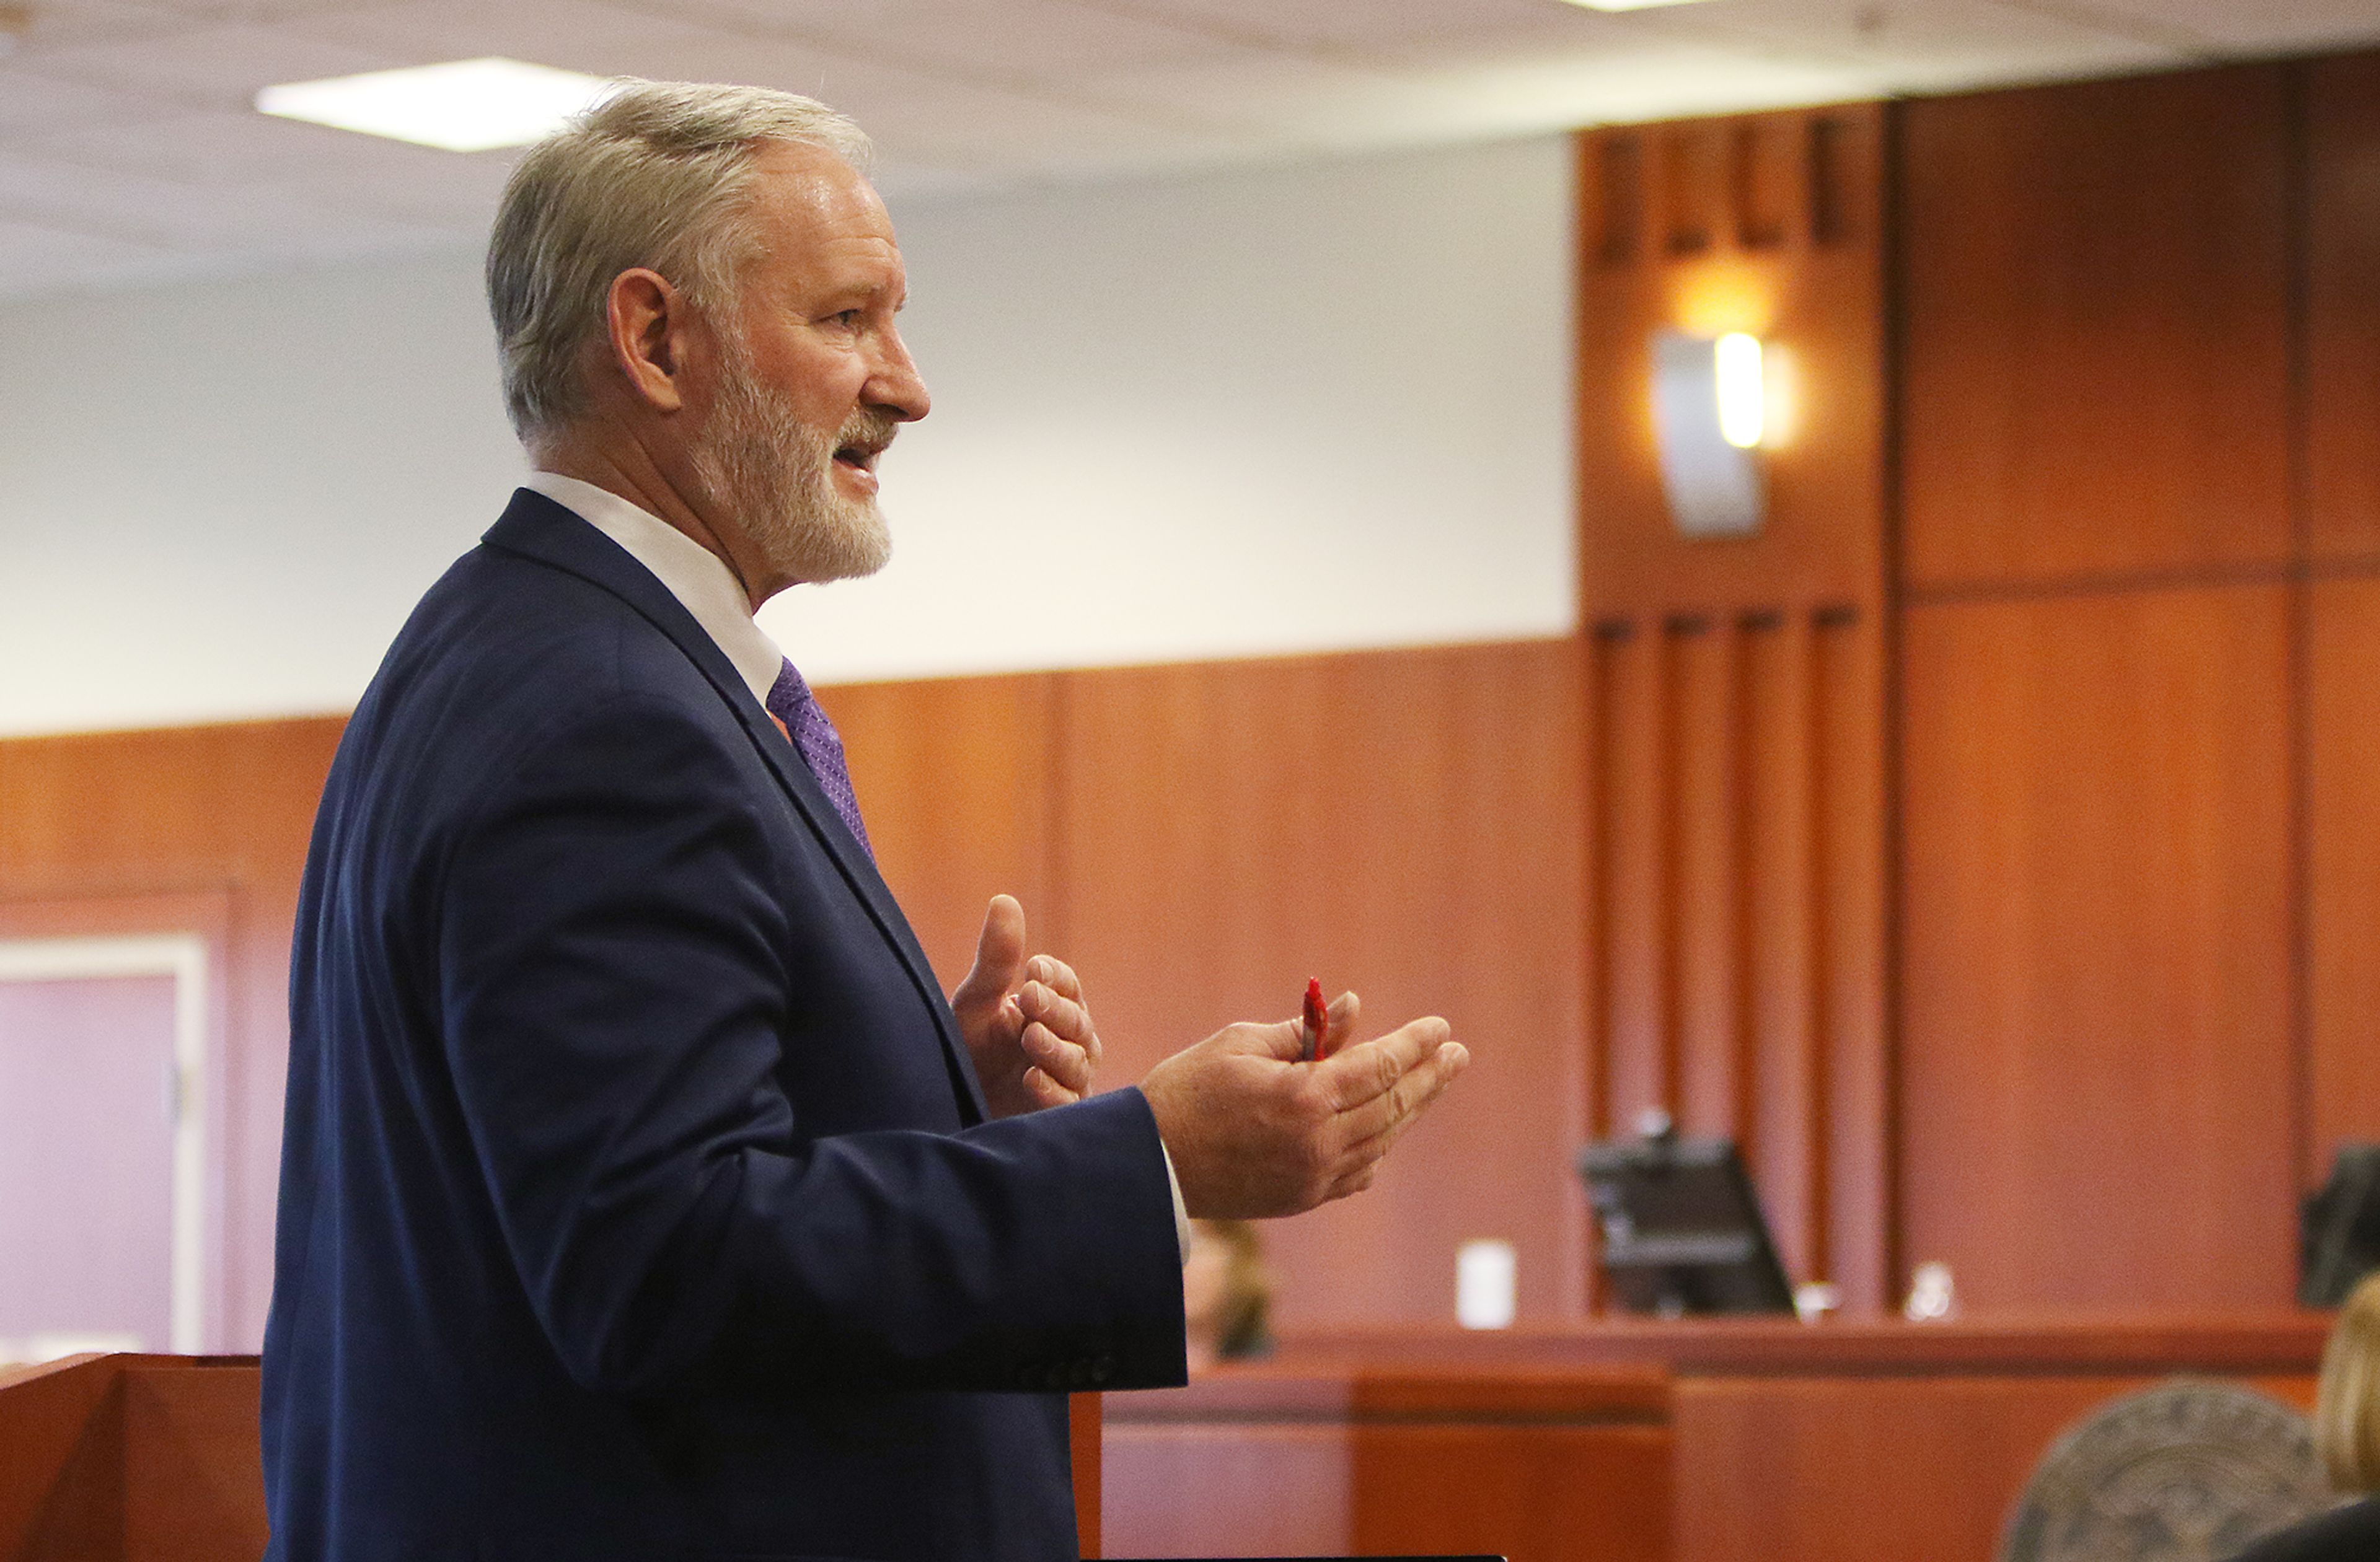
(2096, 1060)
(1405, 824)
(1854, 1218)
(1635, 1063)
(2097, 363)
(93, 828)
(1789, 249)
(952, 776)
(2343, 866)
(1735, 729)
(2342, 302)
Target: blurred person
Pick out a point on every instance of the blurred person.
(641, 1195)
(1226, 1294)
(2347, 1435)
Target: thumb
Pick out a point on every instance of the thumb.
(1283, 1041)
(999, 955)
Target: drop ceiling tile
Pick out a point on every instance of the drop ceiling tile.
(1379, 30)
(211, 65)
(979, 40)
(35, 104)
(33, 258)
(1930, 46)
(1656, 81)
(969, 128)
(201, 220)
(242, 148)
(61, 23)
(601, 39)
(1322, 106)
(2249, 29)
(459, 198)
(264, 11)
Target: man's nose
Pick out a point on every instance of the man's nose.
(896, 386)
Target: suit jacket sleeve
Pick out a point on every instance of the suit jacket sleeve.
(612, 944)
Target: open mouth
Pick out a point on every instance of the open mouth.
(862, 456)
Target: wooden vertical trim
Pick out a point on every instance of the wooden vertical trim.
(1600, 792)
(1616, 198)
(1670, 810)
(1057, 828)
(1872, 1290)
(1692, 187)
(1781, 918)
(1636, 890)
(1771, 183)
(1706, 809)
(1858, 1112)
(1744, 875)
(2296, 88)
(1819, 939)
(1826, 160)
(1084, 1425)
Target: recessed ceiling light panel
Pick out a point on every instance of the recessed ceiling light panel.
(464, 105)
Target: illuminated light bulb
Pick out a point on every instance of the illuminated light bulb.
(1741, 396)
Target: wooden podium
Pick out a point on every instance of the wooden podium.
(154, 1458)
(131, 1459)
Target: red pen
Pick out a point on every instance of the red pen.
(1317, 1020)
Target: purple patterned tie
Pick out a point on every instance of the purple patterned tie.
(791, 702)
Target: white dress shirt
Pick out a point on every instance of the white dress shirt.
(709, 590)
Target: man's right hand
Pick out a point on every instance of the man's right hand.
(1253, 1131)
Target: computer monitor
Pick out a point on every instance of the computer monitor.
(2339, 1229)
(1681, 1228)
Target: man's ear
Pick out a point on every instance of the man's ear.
(649, 322)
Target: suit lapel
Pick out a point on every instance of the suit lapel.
(536, 527)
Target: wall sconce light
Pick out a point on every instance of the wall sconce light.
(1709, 405)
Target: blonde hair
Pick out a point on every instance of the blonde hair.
(1248, 1289)
(2346, 1404)
(657, 174)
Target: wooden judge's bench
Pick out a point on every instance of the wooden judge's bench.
(1699, 1441)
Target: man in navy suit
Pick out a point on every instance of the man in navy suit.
(641, 1195)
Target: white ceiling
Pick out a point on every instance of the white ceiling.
(128, 152)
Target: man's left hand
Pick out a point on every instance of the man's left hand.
(1024, 1019)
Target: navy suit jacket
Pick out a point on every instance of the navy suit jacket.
(636, 1197)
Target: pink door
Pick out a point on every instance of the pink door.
(87, 1113)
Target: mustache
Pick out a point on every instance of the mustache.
(868, 430)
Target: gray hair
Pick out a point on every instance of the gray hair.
(657, 174)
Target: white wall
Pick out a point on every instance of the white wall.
(1284, 410)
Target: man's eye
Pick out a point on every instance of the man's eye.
(846, 317)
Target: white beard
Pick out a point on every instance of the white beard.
(774, 478)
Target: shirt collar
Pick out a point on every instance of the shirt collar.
(698, 578)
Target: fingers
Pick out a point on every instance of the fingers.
(1047, 1092)
(1067, 1064)
(1056, 975)
(1371, 1127)
(1057, 1034)
(999, 955)
(1358, 1073)
(1063, 1017)
(1359, 1162)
